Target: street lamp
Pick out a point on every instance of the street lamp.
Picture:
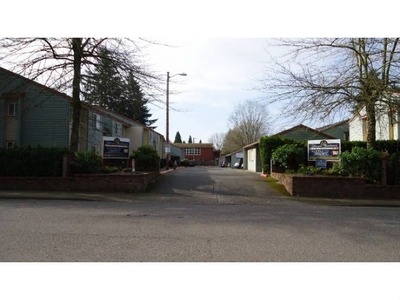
(168, 149)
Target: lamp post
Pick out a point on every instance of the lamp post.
(168, 148)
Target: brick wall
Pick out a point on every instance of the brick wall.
(335, 187)
(124, 183)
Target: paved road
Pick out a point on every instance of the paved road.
(214, 185)
(272, 228)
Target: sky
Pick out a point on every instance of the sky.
(221, 45)
(221, 73)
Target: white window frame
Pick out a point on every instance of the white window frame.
(97, 121)
(117, 129)
(193, 151)
(11, 144)
(12, 109)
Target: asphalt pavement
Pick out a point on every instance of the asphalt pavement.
(158, 197)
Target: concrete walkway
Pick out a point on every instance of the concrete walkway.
(148, 197)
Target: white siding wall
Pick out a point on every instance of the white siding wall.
(356, 129)
(382, 127)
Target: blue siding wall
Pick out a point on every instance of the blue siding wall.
(44, 113)
(45, 119)
(95, 135)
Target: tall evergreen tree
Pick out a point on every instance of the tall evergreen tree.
(72, 59)
(134, 104)
(106, 88)
(104, 85)
(190, 139)
(178, 138)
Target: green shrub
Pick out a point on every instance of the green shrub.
(86, 162)
(32, 161)
(146, 159)
(289, 156)
(362, 162)
(185, 163)
(267, 146)
(393, 170)
(311, 170)
(109, 169)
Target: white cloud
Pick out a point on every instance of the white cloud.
(221, 74)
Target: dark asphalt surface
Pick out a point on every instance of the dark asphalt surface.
(196, 215)
(37, 230)
(202, 185)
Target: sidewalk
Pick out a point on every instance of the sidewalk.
(76, 196)
(141, 197)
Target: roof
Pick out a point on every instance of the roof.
(125, 120)
(295, 133)
(194, 145)
(30, 81)
(327, 127)
(252, 145)
(232, 153)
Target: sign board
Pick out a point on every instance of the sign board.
(321, 164)
(328, 150)
(115, 148)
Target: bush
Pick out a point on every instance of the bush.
(146, 159)
(185, 163)
(87, 162)
(362, 162)
(32, 161)
(289, 156)
(394, 168)
(109, 169)
(311, 170)
(267, 146)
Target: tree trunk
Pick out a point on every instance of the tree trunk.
(371, 121)
(76, 102)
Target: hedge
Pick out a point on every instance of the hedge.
(269, 144)
(32, 161)
(267, 147)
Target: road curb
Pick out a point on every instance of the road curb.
(131, 197)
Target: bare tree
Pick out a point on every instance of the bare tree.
(324, 78)
(218, 140)
(63, 64)
(251, 121)
(232, 141)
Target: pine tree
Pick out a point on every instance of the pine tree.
(106, 88)
(190, 139)
(104, 85)
(134, 104)
(178, 138)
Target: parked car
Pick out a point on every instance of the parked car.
(239, 164)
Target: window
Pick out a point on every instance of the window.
(97, 121)
(192, 151)
(11, 144)
(13, 109)
(117, 129)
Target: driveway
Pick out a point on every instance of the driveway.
(213, 184)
